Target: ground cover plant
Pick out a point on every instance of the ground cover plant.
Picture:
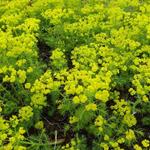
(74, 74)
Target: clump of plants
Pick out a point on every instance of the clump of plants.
(74, 75)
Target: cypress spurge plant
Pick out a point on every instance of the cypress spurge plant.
(78, 68)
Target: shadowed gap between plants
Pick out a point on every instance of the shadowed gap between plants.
(44, 51)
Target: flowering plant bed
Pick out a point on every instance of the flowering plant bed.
(74, 74)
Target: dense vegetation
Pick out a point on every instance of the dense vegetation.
(74, 74)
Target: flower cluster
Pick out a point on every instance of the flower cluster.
(25, 113)
(58, 60)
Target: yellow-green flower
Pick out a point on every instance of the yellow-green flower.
(21, 130)
(73, 119)
(83, 98)
(76, 100)
(137, 147)
(130, 135)
(145, 98)
(99, 121)
(146, 143)
(91, 106)
(25, 113)
(22, 76)
(39, 125)
(102, 95)
(30, 69)
(121, 140)
(129, 119)
(106, 137)
(104, 146)
(27, 85)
